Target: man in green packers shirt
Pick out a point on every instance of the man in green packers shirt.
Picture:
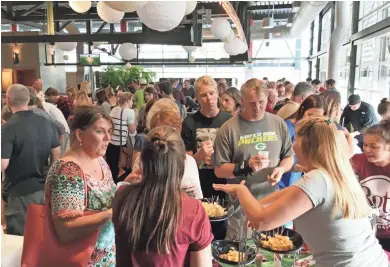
(139, 98)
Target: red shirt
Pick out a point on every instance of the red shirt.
(375, 181)
(193, 234)
(269, 108)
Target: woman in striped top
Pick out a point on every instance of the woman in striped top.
(123, 118)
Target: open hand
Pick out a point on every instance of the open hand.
(231, 189)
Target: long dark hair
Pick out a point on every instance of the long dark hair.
(101, 96)
(312, 101)
(146, 215)
(383, 106)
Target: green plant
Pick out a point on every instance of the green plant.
(119, 76)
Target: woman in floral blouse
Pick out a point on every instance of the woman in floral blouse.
(83, 169)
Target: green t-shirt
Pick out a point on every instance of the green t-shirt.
(140, 99)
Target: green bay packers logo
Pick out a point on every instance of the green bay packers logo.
(260, 146)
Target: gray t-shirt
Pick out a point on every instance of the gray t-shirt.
(238, 140)
(335, 242)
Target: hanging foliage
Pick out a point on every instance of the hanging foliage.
(119, 76)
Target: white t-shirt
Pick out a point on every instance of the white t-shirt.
(190, 177)
(56, 114)
(128, 117)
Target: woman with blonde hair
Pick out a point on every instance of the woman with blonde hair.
(190, 182)
(82, 99)
(156, 224)
(327, 204)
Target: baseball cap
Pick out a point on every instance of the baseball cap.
(143, 81)
(354, 99)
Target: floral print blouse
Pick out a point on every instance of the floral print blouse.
(65, 189)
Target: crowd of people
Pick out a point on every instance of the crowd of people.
(141, 157)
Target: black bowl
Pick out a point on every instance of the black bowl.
(296, 239)
(225, 204)
(224, 246)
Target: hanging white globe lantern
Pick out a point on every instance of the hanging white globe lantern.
(108, 14)
(128, 51)
(190, 6)
(128, 66)
(234, 47)
(229, 37)
(190, 49)
(221, 28)
(242, 47)
(123, 6)
(66, 46)
(162, 16)
(191, 59)
(65, 57)
(80, 6)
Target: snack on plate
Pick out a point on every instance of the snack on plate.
(276, 243)
(232, 255)
(214, 209)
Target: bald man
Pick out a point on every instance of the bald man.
(38, 85)
(27, 141)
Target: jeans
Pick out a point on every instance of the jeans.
(16, 211)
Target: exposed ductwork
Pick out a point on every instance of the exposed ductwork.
(336, 39)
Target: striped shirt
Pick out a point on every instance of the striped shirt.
(119, 138)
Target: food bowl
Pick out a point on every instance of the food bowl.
(224, 204)
(220, 247)
(295, 238)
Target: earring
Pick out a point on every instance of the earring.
(81, 144)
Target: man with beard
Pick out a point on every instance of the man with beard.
(198, 133)
(254, 146)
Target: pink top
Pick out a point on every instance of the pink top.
(194, 234)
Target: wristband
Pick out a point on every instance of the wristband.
(242, 169)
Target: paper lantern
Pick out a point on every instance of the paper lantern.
(108, 14)
(221, 28)
(162, 16)
(190, 49)
(235, 47)
(123, 6)
(128, 66)
(80, 6)
(190, 6)
(191, 59)
(65, 57)
(229, 37)
(128, 51)
(68, 46)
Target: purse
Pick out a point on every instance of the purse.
(41, 247)
(126, 152)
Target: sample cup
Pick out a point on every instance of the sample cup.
(264, 162)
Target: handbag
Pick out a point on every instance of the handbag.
(126, 151)
(41, 247)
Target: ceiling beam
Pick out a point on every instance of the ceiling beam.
(30, 10)
(275, 16)
(177, 37)
(265, 7)
(63, 26)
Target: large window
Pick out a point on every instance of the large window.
(326, 30)
(372, 12)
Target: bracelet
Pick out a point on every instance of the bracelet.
(242, 169)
